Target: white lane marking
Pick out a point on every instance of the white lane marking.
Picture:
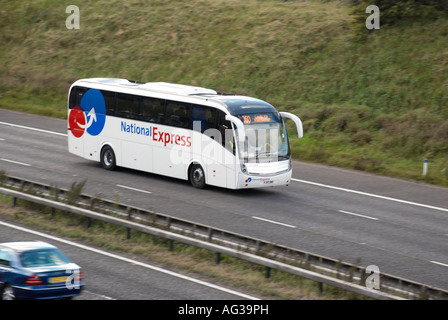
(135, 262)
(1, 139)
(33, 129)
(371, 195)
(439, 263)
(275, 222)
(358, 215)
(16, 162)
(133, 189)
(98, 295)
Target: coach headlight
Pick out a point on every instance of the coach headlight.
(243, 168)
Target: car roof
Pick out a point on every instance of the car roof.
(27, 245)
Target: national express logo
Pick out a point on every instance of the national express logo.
(90, 116)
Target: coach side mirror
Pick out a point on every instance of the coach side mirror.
(239, 125)
(296, 120)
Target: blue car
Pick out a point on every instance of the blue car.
(37, 270)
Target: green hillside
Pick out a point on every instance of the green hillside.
(378, 104)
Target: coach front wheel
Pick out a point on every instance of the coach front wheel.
(108, 158)
(197, 176)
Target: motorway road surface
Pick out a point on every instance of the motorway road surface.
(397, 225)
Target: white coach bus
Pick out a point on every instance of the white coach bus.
(180, 131)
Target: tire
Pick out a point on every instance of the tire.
(108, 160)
(8, 293)
(197, 176)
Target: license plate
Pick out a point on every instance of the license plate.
(269, 181)
(58, 279)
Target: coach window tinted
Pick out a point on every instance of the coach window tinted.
(178, 114)
(109, 99)
(127, 106)
(225, 128)
(76, 96)
(153, 110)
(210, 118)
(198, 116)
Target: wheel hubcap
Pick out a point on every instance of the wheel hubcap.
(198, 174)
(108, 158)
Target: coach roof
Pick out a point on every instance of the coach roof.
(162, 87)
(236, 104)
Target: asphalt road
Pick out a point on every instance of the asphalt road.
(399, 226)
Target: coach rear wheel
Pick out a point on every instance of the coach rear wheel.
(197, 176)
(108, 158)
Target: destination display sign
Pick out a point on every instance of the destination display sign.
(259, 118)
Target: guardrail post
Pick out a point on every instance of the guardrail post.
(128, 230)
(268, 273)
(168, 223)
(218, 257)
(171, 245)
(210, 234)
(14, 201)
(88, 223)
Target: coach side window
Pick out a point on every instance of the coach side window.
(210, 118)
(153, 110)
(109, 99)
(225, 128)
(127, 106)
(198, 118)
(76, 96)
(206, 116)
(178, 114)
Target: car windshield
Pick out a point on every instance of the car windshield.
(266, 138)
(43, 258)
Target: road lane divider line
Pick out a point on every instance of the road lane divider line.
(371, 195)
(16, 162)
(133, 189)
(98, 295)
(33, 129)
(358, 215)
(131, 261)
(274, 222)
(439, 263)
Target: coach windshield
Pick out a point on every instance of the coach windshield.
(266, 138)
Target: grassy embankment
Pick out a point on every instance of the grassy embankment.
(379, 104)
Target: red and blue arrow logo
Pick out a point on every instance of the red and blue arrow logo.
(90, 116)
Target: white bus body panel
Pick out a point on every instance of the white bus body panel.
(150, 153)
